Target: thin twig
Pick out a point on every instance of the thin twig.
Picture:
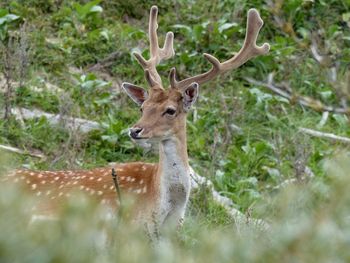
(117, 188)
(109, 60)
(308, 175)
(19, 151)
(325, 135)
(302, 100)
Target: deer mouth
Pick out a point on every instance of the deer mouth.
(143, 142)
(140, 138)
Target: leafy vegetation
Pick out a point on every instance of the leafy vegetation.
(69, 57)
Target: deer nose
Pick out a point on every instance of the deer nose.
(135, 132)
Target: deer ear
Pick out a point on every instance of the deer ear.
(136, 93)
(190, 95)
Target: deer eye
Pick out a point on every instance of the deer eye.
(170, 111)
(141, 110)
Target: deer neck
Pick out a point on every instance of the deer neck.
(173, 159)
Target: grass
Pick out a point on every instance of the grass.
(64, 38)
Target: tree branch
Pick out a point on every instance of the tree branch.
(302, 100)
(240, 218)
(325, 135)
(82, 125)
(19, 151)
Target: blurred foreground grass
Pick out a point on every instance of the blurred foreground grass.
(308, 223)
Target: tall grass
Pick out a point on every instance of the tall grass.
(308, 223)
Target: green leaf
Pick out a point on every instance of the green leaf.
(226, 26)
(346, 17)
(178, 26)
(197, 32)
(3, 12)
(104, 34)
(96, 9)
(8, 18)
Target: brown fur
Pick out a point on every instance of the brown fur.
(136, 180)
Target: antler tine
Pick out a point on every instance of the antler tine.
(248, 51)
(157, 54)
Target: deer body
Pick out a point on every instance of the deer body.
(161, 190)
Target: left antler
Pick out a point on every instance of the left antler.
(248, 51)
(157, 54)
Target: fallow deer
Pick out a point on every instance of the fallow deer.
(162, 190)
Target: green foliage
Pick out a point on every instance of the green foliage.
(7, 21)
(306, 224)
(246, 164)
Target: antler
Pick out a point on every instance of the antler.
(248, 51)
(157, 54)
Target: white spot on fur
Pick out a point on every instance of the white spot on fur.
(56, 178)
(91, 178)
(31, 174)
(133, 179)
(141, 181)
(40, 175)
(33, 186)
(105, 186)
(38, 193)
(99, 179)
(111, 187)
(144, 190)
(48, 192)
(144, 168)
(100, 193)
(43, 182)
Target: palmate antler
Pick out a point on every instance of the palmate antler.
(249, 50)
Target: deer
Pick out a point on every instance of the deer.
(161, 190)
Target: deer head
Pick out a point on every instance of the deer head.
(164, 110)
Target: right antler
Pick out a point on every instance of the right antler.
(248, 51)
(157, 54)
